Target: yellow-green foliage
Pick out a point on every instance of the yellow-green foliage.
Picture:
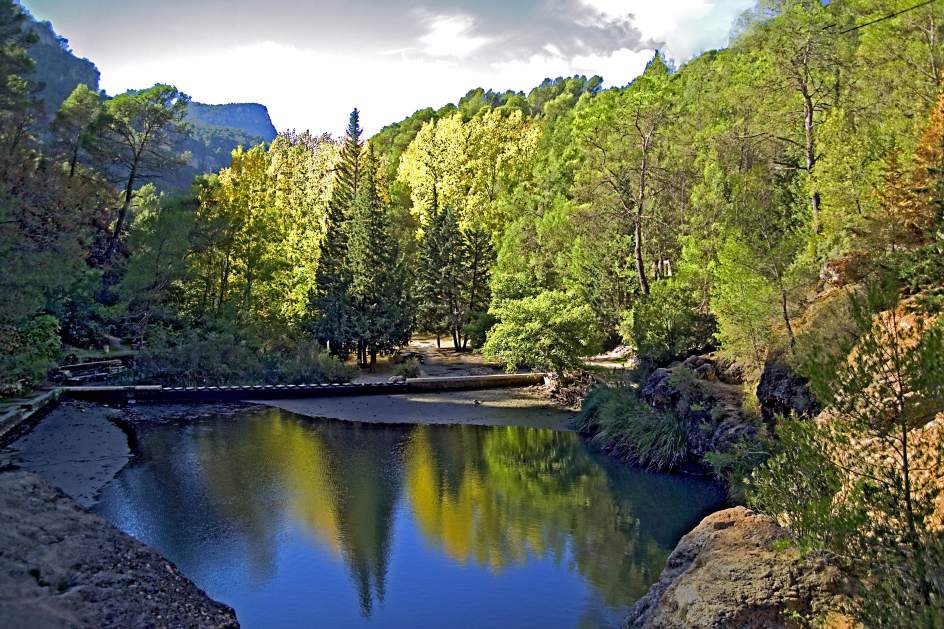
(551, 330)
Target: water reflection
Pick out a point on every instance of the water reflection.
(231, 501)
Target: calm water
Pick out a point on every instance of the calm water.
(303, 523)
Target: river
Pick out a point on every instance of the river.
(297, 522)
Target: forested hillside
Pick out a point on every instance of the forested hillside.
(777, 201)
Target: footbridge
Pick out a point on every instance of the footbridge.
(157, 394)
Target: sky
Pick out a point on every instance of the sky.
(311, 61)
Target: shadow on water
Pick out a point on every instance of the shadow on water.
(285, 518)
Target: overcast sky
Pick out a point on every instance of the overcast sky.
(311, 61)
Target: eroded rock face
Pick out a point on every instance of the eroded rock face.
(61, 566)
(729, 572)
(782, 392)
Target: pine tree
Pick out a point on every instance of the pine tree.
(72, 125)
(479, 258)
(442, 281)
(330, 301)
(381, 307)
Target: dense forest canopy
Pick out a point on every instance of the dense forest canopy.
(696, 207)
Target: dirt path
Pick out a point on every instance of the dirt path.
(434, 361)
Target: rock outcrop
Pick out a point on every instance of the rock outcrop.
(696, 391)
(61, 566)
(782, 392)
(730, 572)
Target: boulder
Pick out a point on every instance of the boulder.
(733, 570)
(659, 391)
(782, 392)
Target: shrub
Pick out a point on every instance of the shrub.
(551, 330)
(304, 363)
(667, 324)
(409, 368)
(201, 357)
(27, 353)
(627, 427)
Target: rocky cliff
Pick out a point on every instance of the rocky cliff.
(57, 69)
(250, 118)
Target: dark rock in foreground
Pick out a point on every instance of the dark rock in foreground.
(730, 571)
(782, 392)
(61, 566)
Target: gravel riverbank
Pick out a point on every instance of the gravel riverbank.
(61, 566)
(487, 407)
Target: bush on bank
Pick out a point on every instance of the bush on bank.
(628, 428)
(198, 357)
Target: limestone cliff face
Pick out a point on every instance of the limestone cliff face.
(250, 118)
(730, 572)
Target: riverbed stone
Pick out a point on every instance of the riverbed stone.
(738, 569)
(62, 566)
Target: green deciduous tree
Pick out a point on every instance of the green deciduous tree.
(550, 330)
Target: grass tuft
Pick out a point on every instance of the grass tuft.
(628, 428)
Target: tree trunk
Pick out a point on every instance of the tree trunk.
(373, 359)
(122, 213)
(786, 319)
(810, 157)
(73, 160)
(640, 204)
(438, 341)
(224, 279)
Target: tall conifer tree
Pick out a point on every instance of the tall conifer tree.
(443, 276)
(330, 298)
(382, 311)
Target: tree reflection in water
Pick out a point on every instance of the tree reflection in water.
(495, 498)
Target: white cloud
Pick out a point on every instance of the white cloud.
(686, 26)
(310, 89)
(450, 36)
(316, 89)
